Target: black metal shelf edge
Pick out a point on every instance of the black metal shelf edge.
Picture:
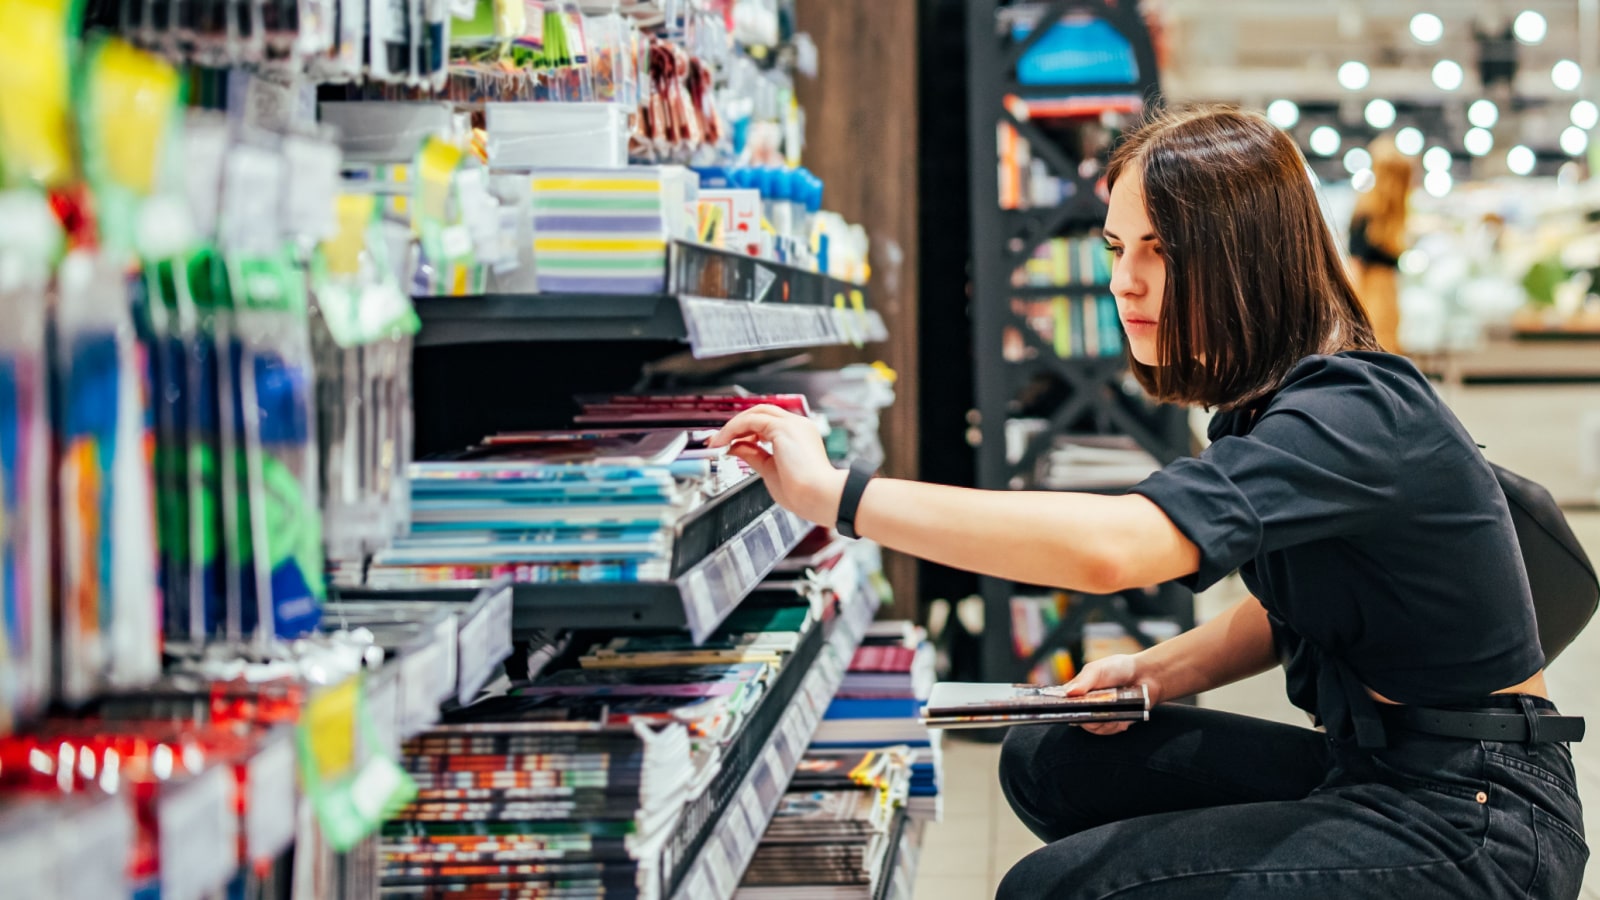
(701, 817)
(509, 318)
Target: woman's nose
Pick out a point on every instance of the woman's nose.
(1124, 281)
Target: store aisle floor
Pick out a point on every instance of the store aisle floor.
(965, 856)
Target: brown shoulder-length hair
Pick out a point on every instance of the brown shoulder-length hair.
(1255, 282)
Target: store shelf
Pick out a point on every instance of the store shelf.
(717, 858)
(721, 553)
(718, 302)
(711, 327)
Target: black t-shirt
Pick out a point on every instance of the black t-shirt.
(1363, 516)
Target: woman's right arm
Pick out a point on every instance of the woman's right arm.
(1230, 647)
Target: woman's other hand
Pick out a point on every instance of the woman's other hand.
(793, 462)
(1117, 671)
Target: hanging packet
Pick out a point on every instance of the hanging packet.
(272, 523)
(351, 780)
(30, 242)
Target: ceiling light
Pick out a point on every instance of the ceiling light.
(1479, 141)
(1437, 159)
(1520, 160)
(1408, 140)
(1585, 114)
(1426, 28)
(1566, 75)
(1380, 114)
(1574, 140)
(1447, 75)
(1283, 113)
(1353, 76)
(1414, 262)
(1529, 27)
(1363, 181)
(1437, 183)
(1356, 159)
(1483, 113)
(1324, 140)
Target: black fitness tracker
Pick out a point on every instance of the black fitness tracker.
(855, 484)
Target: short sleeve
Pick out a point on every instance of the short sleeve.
(1320, 463)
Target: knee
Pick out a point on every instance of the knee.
(1045, 874)
(1031, 760)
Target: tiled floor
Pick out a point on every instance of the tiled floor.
(966, 855)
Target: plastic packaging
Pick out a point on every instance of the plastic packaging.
(31, 240)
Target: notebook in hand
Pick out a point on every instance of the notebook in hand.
(968, 705)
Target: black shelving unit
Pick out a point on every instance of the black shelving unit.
(1089, 393)
(718, 302)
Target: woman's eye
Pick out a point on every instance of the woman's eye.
(1115, 251)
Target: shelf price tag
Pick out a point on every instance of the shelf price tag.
(743, 564)
(721, 868)
(95, 844)
(269, 814)
(197, 835)
(699, 608)
(743, 830)
(754, 812)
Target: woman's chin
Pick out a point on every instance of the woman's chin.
(1142, 354)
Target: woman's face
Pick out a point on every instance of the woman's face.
(1139, 266)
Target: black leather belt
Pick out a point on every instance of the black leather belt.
(1527, 726)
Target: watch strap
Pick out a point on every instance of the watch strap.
(855, 484)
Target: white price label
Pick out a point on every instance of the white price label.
(419, 680)
(99, 841)
(745, 836)
(383, 703)
(754, 809)
(720, 867)
(198, 834)
(700, 610)
(699, 885)
(775, 530)
(29, 857)
(269, 814)
(742, 562)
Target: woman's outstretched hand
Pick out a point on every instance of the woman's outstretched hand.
(1121, 670)
(795, 468)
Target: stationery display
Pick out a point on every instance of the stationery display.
(207, 416)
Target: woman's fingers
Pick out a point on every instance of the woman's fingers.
(1105, 728)
(754, 456)
(758, 421)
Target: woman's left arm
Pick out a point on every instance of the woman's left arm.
(1081, 542)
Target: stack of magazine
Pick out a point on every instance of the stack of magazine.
(572, 784)
(836, 830)
(963, 705)
(878, 706)
(542, 507)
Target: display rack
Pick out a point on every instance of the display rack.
(728, 840)
(1095, 392)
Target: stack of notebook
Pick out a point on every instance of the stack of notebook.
(878, 706)
(836, 831)
(541, 507)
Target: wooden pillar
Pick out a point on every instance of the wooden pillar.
(861, 139)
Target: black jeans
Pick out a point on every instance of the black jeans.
(1202, 803)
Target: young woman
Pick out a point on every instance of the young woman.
(1377, 238)
(1355, 507)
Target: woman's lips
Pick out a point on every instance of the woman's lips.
(1137, 324)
